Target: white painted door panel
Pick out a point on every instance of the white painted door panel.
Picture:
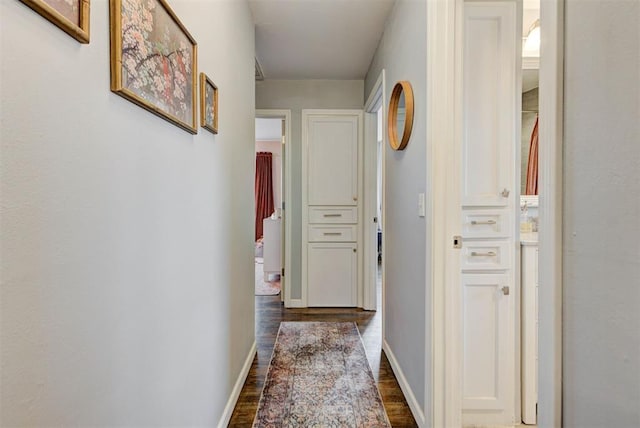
(333, 274)
(489, 97)
(333, 160)
(486, 342)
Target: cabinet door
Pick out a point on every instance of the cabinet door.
(332, 161)
(332, 274)
(487, 344)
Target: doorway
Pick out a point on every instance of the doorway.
(273, 190)
(374, 145)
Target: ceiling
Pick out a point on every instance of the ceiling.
(318, 39)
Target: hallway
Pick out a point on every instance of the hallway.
(270, 312)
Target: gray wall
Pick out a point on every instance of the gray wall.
(296, 95)
(402, 53)
(126, 297)
(601, 321)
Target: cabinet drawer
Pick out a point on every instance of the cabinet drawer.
(485, 255)
(333, 215)
(337, 233)
(485, 224)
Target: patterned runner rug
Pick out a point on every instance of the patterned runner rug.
(319, 376)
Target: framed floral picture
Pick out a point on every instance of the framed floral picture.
(208, 104)
(154, 60)
(71, 16)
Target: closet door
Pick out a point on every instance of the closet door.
(331, 205)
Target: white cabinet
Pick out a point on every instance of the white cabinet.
(331, 204)
(332, 272)
(488, 186)
(529, 331)
(272, 250)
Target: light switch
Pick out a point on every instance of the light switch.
(421, 207)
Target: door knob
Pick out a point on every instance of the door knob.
(505, 193)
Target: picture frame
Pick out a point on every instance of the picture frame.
(154, 60)
(208, 104)
(71, 16)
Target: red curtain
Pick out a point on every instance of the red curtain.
(264, 190)
(532, 167)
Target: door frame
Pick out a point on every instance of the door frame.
(375, 100)
(286, 115)
(444, 18)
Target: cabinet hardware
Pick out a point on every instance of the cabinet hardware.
(332, 233)
(354, 250)
(355, 198)
(505, 193)
(505, 291)
(487, 254)
(476, 222)
(332, 215)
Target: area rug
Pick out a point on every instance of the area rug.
(265, 288)
(319, 377)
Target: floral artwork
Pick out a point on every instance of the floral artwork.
(154, 60)
(208, 104)
(72, 16)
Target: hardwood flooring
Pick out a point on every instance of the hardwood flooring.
(270, 312)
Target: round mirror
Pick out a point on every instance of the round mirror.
(400, 115)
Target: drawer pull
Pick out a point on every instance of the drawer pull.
(332, 215)
(332, 233)
(476, 222)
(487, 254)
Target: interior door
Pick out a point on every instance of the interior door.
(490, 121)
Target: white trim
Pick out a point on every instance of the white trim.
(441, 134)
(237, 388)
(296, 303)
(550, 214)
(376, 100)
(305, 197)
(286, 115)
(418, 414)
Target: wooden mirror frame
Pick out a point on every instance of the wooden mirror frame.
(398, 89)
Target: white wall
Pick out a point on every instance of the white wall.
(275, 148)
(125, 294)
(402, 53)
(296, 95)
(601, 321)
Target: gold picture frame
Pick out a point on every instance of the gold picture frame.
(71, 16)
(208, 104)
(154, 60)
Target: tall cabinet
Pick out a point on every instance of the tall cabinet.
(332, 206)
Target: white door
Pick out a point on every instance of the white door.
(490, 121)
(332, 207)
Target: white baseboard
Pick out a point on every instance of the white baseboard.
(237, 388)
(418, 414)
(296, 303)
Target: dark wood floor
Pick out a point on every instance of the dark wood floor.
(270, 312)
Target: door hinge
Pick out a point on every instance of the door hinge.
(282, 205)
(505, 291)
(457, 241)
(282, 274)
(375, 219)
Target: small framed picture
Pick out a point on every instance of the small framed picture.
(208, 104)
(71, 16)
